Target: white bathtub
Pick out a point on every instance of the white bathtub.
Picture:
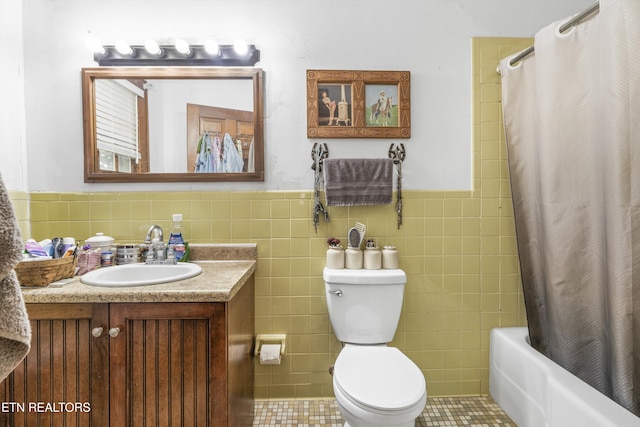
(536, 392)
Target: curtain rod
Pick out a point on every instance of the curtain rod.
(564, 27)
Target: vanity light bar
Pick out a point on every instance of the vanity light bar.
(198, 56)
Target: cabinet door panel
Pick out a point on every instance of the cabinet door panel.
(63, 379)
(165, 352)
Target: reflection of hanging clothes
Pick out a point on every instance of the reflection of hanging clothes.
(217, 155)
(239, 147)
(251, 162)
(204, 159)
(231, 160)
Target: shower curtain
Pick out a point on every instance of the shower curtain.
(572, 123)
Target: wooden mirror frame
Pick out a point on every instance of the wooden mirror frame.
(91, 160)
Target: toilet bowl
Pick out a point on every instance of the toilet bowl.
(374, 385)
(378, 386)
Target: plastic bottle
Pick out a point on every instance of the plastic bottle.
(176, 241)
(46, 245)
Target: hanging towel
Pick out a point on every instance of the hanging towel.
(357, 182)
(15, 331)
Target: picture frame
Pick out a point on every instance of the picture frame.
(358, 104)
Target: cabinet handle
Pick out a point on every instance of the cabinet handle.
(113, 332)
(96, 332)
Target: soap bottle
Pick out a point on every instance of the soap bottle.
(176, 241)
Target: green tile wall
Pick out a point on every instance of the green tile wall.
(20, 202)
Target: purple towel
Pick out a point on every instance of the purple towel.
(358, 182)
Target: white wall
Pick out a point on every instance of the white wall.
(13, 165)
(430, 38)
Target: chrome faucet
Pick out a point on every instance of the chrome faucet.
(157, 230)
(157, 252)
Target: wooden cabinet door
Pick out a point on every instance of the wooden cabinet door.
(64, 378)
(168, 364)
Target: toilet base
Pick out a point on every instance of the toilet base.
(350, 422)
(357, 417)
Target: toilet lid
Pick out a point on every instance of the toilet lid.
(379, 377)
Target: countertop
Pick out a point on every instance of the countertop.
(220, 280)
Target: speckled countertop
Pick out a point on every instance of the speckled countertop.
(225, 269)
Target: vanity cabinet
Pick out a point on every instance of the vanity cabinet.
(118, 364)
(66, 364)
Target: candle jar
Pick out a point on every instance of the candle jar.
(390, 259)
(335, 257)
(353, 258)
(372, 259)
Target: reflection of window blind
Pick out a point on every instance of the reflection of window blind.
(116, 118)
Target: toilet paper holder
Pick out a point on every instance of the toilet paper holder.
(270, 339)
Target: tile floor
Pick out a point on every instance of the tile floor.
(440, 411)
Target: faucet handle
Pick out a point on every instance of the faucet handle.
(160, 250)
(171, 254)
(150, 254)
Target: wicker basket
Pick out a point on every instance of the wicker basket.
(42, 273)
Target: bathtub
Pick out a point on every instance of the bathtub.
(536, 392)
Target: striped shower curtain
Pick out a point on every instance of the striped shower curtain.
(572, 122)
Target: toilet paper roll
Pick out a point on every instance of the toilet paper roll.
(270, 354)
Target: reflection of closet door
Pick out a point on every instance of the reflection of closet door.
(217, 121)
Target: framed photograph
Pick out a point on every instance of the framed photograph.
(358, 104)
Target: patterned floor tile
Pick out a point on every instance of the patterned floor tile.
(471, 411)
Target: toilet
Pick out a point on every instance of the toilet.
(374, 385)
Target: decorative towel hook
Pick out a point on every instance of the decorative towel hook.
(319, 152)
(398, 154)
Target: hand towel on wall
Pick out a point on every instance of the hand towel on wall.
(15, 331)
(358, 182)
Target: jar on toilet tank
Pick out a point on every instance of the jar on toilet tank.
(353, 258)
(335, 254)
(390, 258)
(372, 256)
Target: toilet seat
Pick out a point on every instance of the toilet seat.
(379, 378)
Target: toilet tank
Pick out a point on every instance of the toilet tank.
(364, 305)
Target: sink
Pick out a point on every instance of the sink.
(140, 274)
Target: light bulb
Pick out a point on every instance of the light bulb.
(212, 47)
(123, 48)
(152, 47)
(94, 46)
(241, 47)
(183, 47)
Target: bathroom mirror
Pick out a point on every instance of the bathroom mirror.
(170, 124)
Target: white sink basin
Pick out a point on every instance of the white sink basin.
(140, 274)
